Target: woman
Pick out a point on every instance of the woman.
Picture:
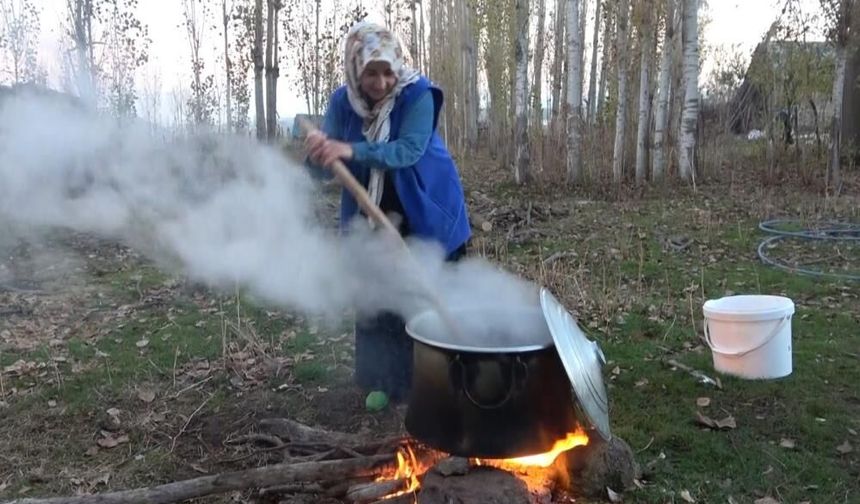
(382, 125)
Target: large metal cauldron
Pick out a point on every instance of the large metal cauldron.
(503, 393)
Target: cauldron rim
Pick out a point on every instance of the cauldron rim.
(414, 333)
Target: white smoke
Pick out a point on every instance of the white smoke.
(223, 209)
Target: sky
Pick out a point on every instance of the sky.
(733, 23)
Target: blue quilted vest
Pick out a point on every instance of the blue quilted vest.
(430, 191)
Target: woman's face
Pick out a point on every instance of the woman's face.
(377, 80)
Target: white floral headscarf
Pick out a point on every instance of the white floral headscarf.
(367, 42)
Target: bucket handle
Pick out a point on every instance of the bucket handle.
(744, 352)
(517, 366)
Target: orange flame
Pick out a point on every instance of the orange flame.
(407, 469)
(571, 441)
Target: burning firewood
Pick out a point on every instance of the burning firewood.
(376, 490)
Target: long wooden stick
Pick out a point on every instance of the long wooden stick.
(259, 477)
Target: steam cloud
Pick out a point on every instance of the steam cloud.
(225, 210)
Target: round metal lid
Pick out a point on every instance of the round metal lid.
(582, 359)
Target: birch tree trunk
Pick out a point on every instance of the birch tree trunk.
(521, 161)
(644, 97)
(471, 72)
(676, 96)
(413, 46)
(558, 56)
(227, 70)
(258, 71)
(583, 16)
(841, 31)
(574, 93)
(316, 61)
(592, 78)
(272, 97)
(537, 88)
(661, 118)
(621, 109)
(270, 69)
(687, 136)
(834, 173)
(604, 64)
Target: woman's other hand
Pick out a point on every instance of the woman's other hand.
(314, 146)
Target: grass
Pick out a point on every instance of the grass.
(216, 363)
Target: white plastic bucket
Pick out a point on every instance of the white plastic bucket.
(750, 335)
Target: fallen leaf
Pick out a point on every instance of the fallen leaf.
(199, 469)
(142, 343)
(101, 480)
(146, 395)
(706, 421)
(52, 403)
(642, 382)
(107, 442)
(613, 496)
(766, 500)
(685, 494)
(787, 443)
(727, 423)
(852, 432)
(703, 402)
(845, 448)
(616, 370)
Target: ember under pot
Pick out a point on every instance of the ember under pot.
(523, 379)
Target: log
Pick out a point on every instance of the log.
(376, 490)
(299, 433)
(479, 221)
(260, 477)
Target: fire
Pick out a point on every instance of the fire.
(407, 470)
(546, 459)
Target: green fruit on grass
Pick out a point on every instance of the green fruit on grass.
(376, 401)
